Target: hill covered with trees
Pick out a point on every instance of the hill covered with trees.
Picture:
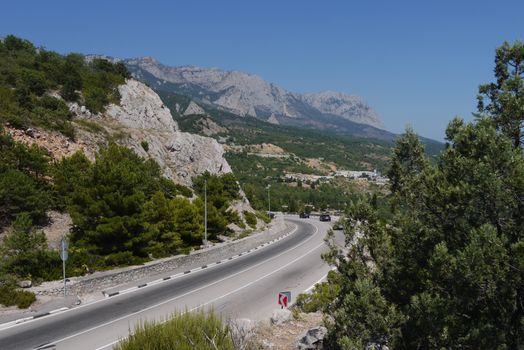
(123, 210)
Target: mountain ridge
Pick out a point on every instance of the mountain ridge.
(247, 94)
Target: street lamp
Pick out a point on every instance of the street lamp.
(269, 201)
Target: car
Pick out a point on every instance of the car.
(304, 215)
(325, 217)
(271, 215)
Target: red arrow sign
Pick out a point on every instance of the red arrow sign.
(284, 298)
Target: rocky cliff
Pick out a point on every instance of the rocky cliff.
(142, 123)
(246, 94)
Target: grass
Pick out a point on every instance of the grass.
(186, 331)
(251, 219)
(10, 296)
(91, 126)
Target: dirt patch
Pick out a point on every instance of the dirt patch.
(320, 165)
(55, 143)
(59, 225)
(285, 336)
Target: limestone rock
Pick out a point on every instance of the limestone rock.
(346, 106)
(193, 108)
(312, 339)
(246, 94)
(141, 108)
(25, 284)
(273, 119)
(280, 316)
(141, 116)
(208, 127)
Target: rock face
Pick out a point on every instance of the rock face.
(193, 108)
(141, 118)
(346, 106)
(245, 94)
(280, 316)
(141, 108)
(209, 128)
(313, 339)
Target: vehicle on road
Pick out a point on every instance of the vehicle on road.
(304, 215)
(338, 226)
(325, 217)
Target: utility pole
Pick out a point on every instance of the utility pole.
(205, 213)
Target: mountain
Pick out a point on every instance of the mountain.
(249, 95)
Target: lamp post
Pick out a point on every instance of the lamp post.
(205, 213)
(269, 201)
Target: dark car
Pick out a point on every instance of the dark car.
(325, 217)
(304, 215)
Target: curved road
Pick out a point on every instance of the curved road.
(244, 287)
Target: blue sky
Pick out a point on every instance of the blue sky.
(415, 62)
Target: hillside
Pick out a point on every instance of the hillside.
(344, 151)
(262, 153)
(83, 141)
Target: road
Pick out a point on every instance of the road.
(244, 287)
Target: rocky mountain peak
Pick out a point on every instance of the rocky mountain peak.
(249, 95)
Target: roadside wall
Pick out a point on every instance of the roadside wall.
(108, 279)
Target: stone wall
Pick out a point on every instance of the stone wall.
(100, 281)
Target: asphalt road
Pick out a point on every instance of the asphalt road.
(245, 287)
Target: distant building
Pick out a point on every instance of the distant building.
(352, 174)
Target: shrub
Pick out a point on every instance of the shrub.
(251, 219)
(10, 296)
(145, 145)
(263, 216)
(122, 259)
(198, 330)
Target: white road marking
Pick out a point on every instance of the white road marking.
(30, 319)
(233, 291)
(199, 289)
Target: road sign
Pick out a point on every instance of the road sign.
(284, 298)
(63, 249)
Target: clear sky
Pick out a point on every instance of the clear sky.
(415, 62)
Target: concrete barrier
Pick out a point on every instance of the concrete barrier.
(109, 279)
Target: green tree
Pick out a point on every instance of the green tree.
(24, 250)
(189, 224)
(503, 100)
(19, 193)
(106, 208)
(446, 270)
(160, 226)
(408, 161)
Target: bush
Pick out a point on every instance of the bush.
(122, 259)
(263, 216)
(145, 145)
(10, 296)
(27, 74)
(251, 219)
(189, 331)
